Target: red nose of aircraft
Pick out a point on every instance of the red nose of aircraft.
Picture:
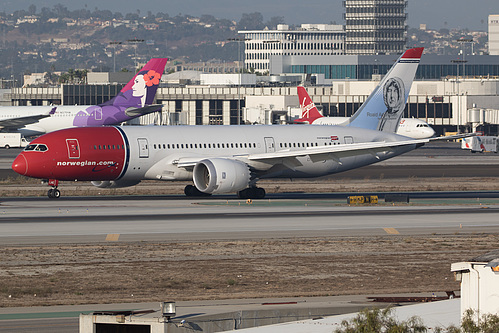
(20, 165)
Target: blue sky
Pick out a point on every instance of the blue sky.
(435, 13)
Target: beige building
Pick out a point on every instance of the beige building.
(494, 34)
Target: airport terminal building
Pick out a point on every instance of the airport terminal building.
(446, 103)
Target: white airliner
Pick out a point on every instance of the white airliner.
(133, 101)
(410, 127)
(225, 159)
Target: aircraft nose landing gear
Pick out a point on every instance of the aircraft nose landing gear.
(54, 192)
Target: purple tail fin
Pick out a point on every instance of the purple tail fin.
(132, 101)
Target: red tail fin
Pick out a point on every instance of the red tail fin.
(309, 112)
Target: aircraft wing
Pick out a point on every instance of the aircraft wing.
(453, 137)
(315, 153)
(18, 122)
(323, 152)
(333, 152)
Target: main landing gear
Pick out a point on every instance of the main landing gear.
(251, 193)
(54, 192)
(192, 191)
(247, 193)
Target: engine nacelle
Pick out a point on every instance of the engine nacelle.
(219, 175)
(114, 183)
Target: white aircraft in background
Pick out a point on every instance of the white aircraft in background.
(226, 159)
(410, 127)
(134, 100)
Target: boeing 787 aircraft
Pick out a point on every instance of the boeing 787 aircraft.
(133, 101)
(226, 159)
(411, 127)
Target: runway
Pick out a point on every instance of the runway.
(81, 221)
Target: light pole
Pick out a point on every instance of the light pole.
(238, 40)
(114, 53)
(462, 41)
(135, 42)
(457, 62)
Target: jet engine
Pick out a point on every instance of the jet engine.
(219, 175)
(114, 183)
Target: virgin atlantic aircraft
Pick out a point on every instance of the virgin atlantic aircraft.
(134, 100)
(225, 159)
(411, 127)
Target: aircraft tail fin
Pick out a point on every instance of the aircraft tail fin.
(151, 75)
(141, 89)
(138, 94)
(309, 111)
(385, 106)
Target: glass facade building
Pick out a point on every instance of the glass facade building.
(432, 67)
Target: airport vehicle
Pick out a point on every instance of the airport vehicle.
(134, 100)
(481, 144)
(224, 159)
(410, 127)
(12, 140)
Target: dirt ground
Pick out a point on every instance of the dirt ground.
(118, 272)
(144, 272)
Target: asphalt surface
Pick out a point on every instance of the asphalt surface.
(176, 218)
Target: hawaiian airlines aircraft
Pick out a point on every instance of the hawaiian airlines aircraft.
(410, 127)
(223, 159)
(133, 101)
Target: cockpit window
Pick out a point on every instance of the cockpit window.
(36, 147)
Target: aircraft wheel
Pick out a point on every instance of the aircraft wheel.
(192, 191)
(260, 193)
(54, 193)
(251, 193)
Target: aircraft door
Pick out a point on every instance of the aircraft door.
(143, 148)
(98, 113)
(348, 140)
(269, 145)
(73, 148)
